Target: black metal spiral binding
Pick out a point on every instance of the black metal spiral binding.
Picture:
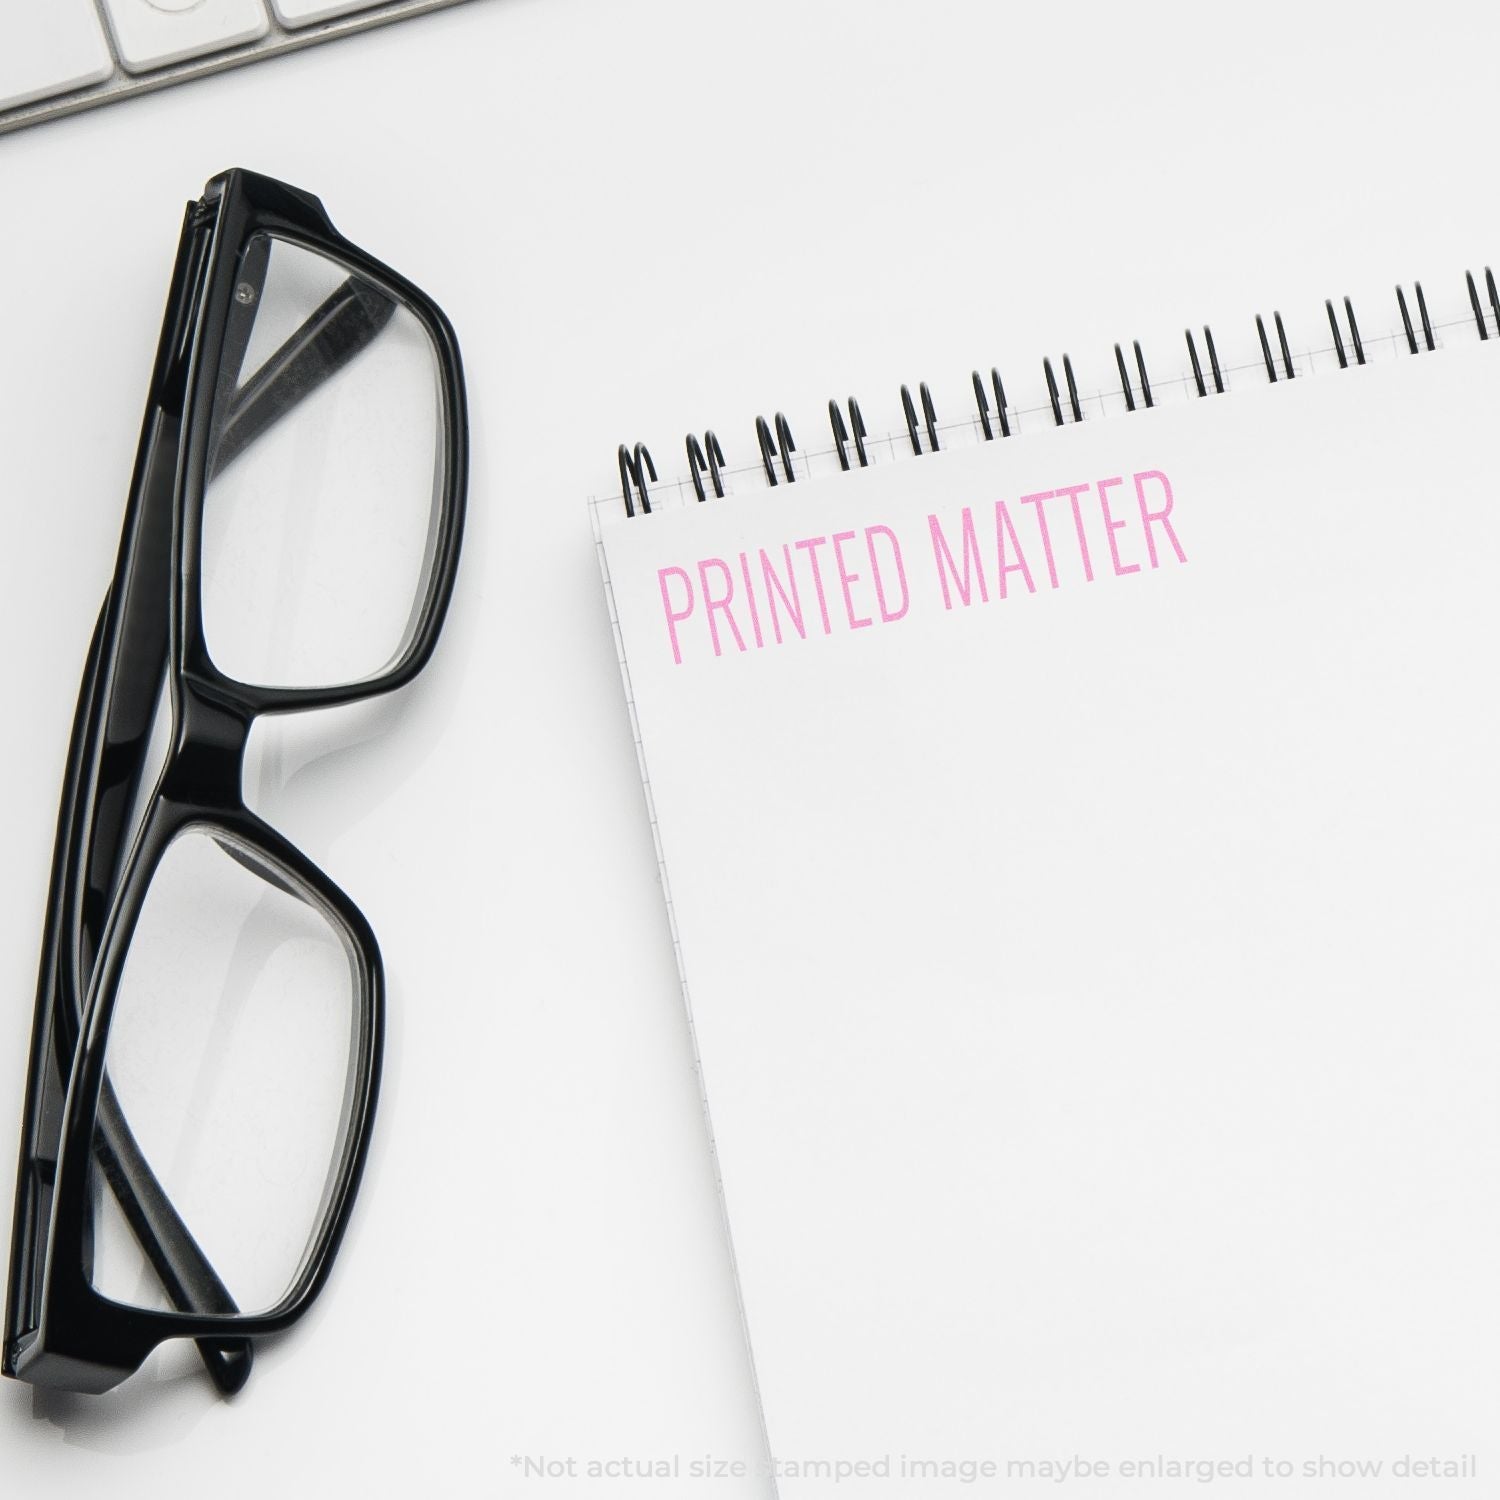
(769, 446)
(1489, 282)
(1359, 348)
(1140, 364)
(1213, 358)
(929, 417)
(713, 463)
(1265, 348)
(777, 445)
(1055, 398)
(630, 473)
(841, 433)
(1411, 338)
(1338, 338)
(982, 402)
(1187, 333)
(1052, 395)
(1213, 361)
(1484, 332)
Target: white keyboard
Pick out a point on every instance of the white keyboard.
(57, 56)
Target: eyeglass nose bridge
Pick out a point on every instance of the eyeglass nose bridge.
(207, 760)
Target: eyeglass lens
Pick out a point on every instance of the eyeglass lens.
(229, 1066)
(325, 475)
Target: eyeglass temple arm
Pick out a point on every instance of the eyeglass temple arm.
(344, 325)
(179, 1262)
(185, 1272)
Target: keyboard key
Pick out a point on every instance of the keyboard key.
(305, 12)
(152, 33)
(48, 47)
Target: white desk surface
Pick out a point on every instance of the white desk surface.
(641, 219)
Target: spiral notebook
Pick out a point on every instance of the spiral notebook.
(1079, 830)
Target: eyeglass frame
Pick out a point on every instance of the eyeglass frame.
(60, 1331)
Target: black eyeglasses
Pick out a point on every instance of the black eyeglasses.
(206, 1045)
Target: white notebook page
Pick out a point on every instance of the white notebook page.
(1097, 984)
